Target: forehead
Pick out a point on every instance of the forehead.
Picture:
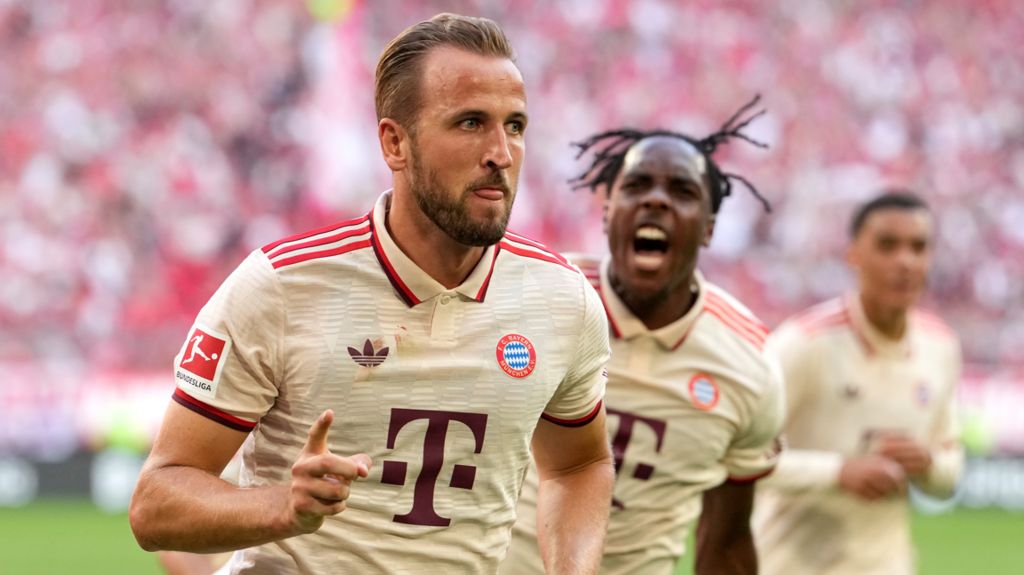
(898, 222)
(458, 79)
(665, 156)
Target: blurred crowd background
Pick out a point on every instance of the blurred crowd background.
(147, 146)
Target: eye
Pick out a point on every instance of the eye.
(886, 245)
(470, 123)
(685, 190)
(516, 127)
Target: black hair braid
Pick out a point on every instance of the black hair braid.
(609, 149)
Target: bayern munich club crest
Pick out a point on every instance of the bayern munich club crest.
(516, 355)
(703, 391)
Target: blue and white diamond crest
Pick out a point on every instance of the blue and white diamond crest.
(516, 355)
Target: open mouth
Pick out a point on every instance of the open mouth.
(650, 244)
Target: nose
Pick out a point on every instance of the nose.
(498, 155)
(656, 198)
(906, 258)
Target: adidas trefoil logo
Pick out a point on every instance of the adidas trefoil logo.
(368, 357)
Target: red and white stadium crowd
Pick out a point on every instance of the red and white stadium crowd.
(146, 147)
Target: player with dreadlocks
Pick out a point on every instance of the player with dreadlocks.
(694, 404)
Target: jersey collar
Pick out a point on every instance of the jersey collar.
(411, 283)
(873, 340)
(625, 325)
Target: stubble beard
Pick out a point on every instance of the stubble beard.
(451, 214)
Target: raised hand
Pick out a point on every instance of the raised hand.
(914, 458)
(320, 479)
(872, 477)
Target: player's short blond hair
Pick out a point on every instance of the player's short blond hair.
(399, 70)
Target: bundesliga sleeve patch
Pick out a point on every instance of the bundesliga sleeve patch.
(516, 355)
(200, 364)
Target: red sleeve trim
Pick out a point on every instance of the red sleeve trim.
(210, 412)
(752, 323)
(750, 478)
(542, 256)
(575, 422)
(509, 235)
(322, 254)
(324, 230)
(343, 234)
(755, 338)
(823, 323)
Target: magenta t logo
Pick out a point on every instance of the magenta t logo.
(463, 476)
(627, 422)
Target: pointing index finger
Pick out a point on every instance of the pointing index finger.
(316, 442)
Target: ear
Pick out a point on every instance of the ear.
(709, 230)
(394, 144)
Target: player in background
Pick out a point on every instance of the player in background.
(694, 403)
(870, 394)
(388, 374)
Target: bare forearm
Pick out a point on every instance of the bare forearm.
(734, 553)
(725, 543)
(186, 509)
(572, 518)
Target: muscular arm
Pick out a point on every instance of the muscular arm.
(724, 541)
(181, 503)
(576, 478)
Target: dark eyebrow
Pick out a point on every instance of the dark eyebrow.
(518, 117)
(470, 113)
(684, 180)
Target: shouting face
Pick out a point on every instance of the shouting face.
(657, 217)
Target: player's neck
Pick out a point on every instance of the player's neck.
(661, 310)
(429, 247)
(890, 322)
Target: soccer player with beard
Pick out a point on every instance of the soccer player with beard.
(870, 390)
(391, 374)
(694, 403)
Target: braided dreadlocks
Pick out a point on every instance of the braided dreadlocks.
(609, 150)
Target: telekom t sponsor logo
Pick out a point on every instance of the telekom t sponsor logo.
(627, 424)
(463, 476)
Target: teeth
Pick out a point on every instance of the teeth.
(651, 233)
(648, 262)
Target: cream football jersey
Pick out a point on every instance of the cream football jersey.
(846, 384)
(441, 387)
(690, 405)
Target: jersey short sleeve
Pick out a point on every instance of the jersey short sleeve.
(790, 346)
(227, 368)
(755, 451)
(578, 398)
